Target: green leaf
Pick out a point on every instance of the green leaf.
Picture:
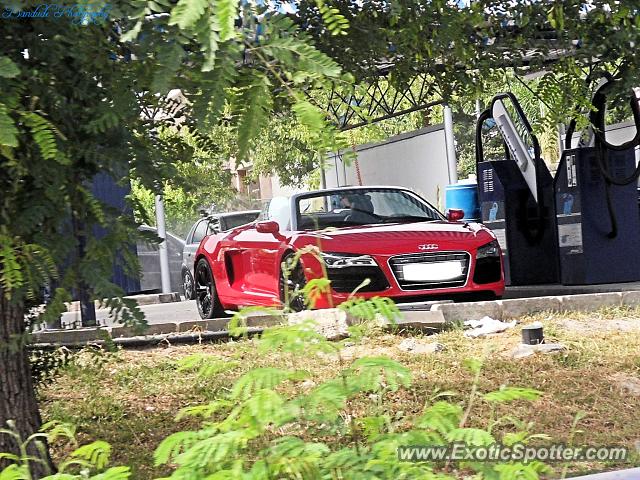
(441, 417)
(509, 394)
(174, 445)
(259, 379)
(471, 436)
(376, 373)
(309, 115)
(43, 135)
(257, 102)
(114, 473)
(226, 12)
(8, 130)
(8, 69)
(169, 57)
(474, 365)
(97, 453)
(132, 34)
(187, 12)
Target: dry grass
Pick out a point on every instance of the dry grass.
(130, 398)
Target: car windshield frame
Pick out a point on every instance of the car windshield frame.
(302, 223)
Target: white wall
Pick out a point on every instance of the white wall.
(417, 160)
(615, 134)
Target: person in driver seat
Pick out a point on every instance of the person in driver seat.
(361, 208)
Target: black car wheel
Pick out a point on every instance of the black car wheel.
(291, 287)
(187, 285)
(205, 291)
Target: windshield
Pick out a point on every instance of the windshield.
(233, 221)
(346, 208)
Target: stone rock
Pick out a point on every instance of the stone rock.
(330, 323)
(417, 346)
(486, 326)
(628, 383)
(523, 350)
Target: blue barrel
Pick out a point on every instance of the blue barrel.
(463, 196)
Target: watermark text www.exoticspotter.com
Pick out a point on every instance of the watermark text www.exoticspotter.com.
(77, 14)
(496, 452)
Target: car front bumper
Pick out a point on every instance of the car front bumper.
(483, 278)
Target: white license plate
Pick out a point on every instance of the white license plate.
(432, 272)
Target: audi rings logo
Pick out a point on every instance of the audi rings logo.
(428, 246)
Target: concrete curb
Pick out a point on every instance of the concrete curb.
(146, 299)
(433, 318)
(513, 308)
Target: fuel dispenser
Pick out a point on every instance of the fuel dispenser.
(516, 196)
(596, 198)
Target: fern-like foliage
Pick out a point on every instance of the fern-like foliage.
(187, 12)
(263, 378)
(471, 436)
(257, 102)
(335, 22)
(8, 130)
(441, 417)
(43, 135)
(226, 12)
(509, 394)
(376, 373)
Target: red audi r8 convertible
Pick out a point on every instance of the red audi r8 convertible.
(406, 248)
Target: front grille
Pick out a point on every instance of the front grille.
(346, 280)
(397, 262)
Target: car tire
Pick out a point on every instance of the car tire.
(188, 286)
(295, 282)
(205, 290)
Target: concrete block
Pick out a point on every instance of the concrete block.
(518, 307)
(153, 329)
(423, 320)
(213, 325)
(330, 322)
(631, 299)
(154, 298)
(454, 312)
(265, 319)
(76, 335)
(591, 301)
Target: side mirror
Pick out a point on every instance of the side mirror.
(455, 214)
(268, 227)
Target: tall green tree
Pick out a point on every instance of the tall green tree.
(79, 97)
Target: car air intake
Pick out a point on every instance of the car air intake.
(421, 271)
(346, 280)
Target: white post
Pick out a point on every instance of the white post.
(451, 145)
(162, 248)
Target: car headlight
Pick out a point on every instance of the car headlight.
(491, 249)
(343, 260)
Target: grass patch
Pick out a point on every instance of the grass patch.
(130, 398)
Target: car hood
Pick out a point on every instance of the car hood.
(403, 237)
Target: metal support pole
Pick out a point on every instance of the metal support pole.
(451, 145)
(83, 291)
(162, 248)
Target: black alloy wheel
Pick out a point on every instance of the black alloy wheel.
(205, 290)
(188, 286)
(292, 285)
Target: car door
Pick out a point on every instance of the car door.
(193, 241)
(254, 257)
(265, 256)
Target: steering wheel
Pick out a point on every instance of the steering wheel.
(349, 218)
